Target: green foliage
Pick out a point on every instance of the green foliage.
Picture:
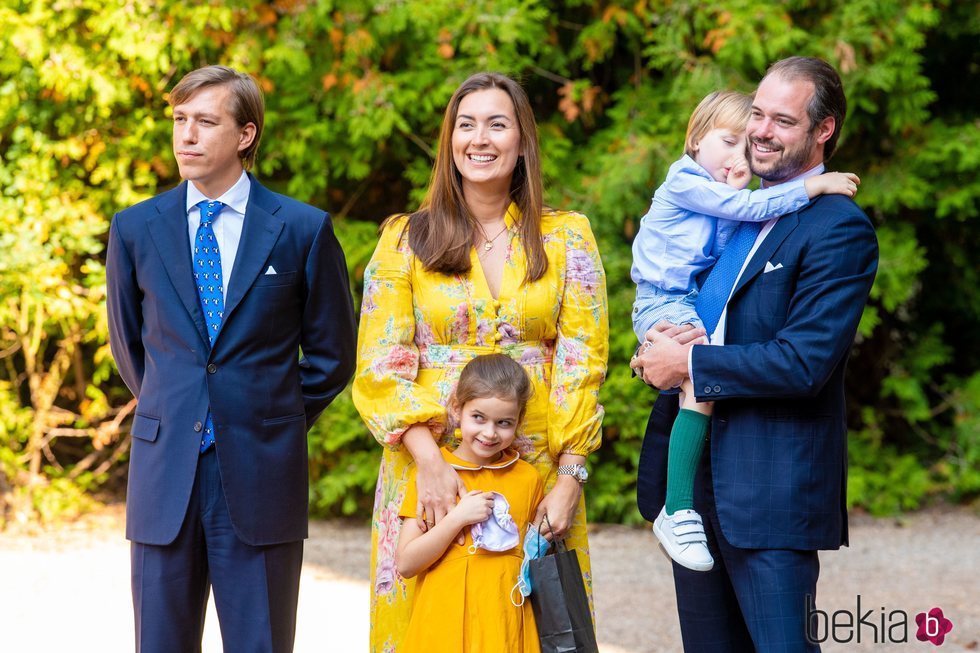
(960, 465)
(60, 498)
(881, 479)
(355, 91)
(344, 466)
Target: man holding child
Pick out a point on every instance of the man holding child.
(772, 483)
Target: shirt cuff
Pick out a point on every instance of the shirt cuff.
(690, 365)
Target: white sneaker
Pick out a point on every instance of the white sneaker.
(682, 538)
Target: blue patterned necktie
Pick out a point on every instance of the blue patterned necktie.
(715, 290)
(210, 286)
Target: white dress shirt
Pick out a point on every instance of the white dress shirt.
(227, 226)
(718, 337)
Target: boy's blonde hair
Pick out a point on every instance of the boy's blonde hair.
(719, 110)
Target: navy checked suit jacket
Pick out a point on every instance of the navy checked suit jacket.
(778, 443)
(263, 396)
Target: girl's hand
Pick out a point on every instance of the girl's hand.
(739, 174)
(832, 183)
(560, 505)
(474, 507)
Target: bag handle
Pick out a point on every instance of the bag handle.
(554, 538)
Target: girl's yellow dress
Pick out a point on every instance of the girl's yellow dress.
(417, 331)
(467, 590)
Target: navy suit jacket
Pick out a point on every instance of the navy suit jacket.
(778, 443)
(263, 396)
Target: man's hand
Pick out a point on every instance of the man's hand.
(662, 360)
(682, 334)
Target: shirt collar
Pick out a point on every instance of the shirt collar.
(235, 198)
(688, 164)
(508, 458)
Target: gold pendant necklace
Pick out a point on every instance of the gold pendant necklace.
(487, 241)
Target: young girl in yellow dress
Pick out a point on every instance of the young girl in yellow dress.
(463, 591)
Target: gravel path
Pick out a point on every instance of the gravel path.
(68, 589)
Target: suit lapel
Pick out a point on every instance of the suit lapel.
(773, 240)
(168, 230)
(259, 234)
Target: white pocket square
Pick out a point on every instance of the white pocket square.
(272, 270)
(770, 267)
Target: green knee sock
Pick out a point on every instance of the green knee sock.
(683, 456)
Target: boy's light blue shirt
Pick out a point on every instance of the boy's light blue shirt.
(690, 220)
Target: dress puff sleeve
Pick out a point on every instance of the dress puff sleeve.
(385, 392)
(582, 344)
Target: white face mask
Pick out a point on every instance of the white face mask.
(498, 532)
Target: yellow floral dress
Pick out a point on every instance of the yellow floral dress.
(417, 331)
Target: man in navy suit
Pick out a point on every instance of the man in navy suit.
(773, 480)
(214, 288)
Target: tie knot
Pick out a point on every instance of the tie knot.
(209, 210)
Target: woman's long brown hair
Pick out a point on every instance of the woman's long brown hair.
(441, 232)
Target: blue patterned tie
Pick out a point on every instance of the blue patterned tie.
(715, 290)
(210, 286)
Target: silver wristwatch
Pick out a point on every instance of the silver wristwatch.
(578, 472)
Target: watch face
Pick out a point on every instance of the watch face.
(578, 472)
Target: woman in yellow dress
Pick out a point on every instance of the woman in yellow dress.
(480, 268)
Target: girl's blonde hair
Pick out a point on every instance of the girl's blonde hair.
(493, 375)
(719, 110)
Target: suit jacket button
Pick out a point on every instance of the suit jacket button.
(212, 368)
(717, 388)
(198, 427)
(707, 389)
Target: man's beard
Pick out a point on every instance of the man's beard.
(790, 163)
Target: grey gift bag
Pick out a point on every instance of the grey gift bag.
(560, 604)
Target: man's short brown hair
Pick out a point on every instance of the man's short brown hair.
(247, 104)
(828, 99)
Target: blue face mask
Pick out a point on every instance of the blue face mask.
(535, 546)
